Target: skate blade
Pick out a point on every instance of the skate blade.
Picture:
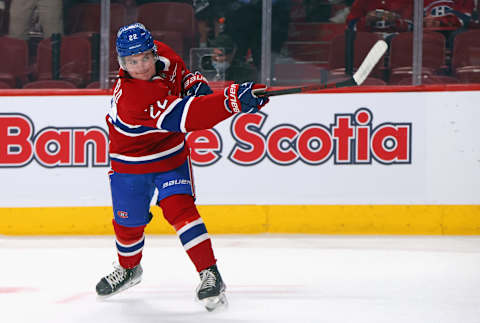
(215, 302)
(124, 287)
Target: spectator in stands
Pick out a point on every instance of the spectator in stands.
(386, 16)
(244, 26)
(450, 17)
(227, 66)
(242, 21)
(447, 13)
(210, 15)
(50, 15)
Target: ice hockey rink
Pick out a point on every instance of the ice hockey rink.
(270, 278)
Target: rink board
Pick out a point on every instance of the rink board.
(353, 163)
(247, 219)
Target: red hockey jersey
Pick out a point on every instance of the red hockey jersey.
(148, 120)
(401, 9)
(447, 12)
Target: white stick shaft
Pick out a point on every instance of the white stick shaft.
(370, 61)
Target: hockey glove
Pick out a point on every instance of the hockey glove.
(195, 84)
(239, 98)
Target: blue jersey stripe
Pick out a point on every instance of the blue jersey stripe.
(173, 119)
(132, 248)
(192, 233)
(136, 130)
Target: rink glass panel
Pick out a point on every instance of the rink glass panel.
(309, 44)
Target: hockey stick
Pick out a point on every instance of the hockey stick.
(372, 58)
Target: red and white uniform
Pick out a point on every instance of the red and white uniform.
(439, 10)
(360, 9)
(148, 119)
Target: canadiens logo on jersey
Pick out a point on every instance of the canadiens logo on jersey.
(438, 8)
(122, 214)
(439, 11)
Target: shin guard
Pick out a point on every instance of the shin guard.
(180, 211)
(129, 242)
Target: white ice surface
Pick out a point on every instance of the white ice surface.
(270, 278)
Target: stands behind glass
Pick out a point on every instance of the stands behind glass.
(310, 44)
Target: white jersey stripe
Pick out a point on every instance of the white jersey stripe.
(196, 241)
(184, 115)
(189, 225)
(129, 134)
(129, 254)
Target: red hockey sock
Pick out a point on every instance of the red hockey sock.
(180, 211)
(129, 243)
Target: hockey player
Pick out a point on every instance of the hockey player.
(156, 101)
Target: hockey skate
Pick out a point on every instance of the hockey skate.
(119, 280)
(211, 291)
